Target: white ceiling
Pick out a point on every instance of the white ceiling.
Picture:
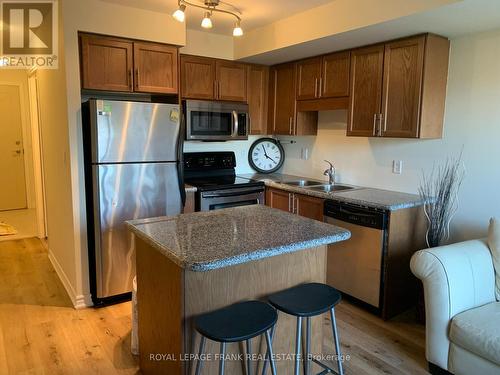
(255, 13)
(466, 17)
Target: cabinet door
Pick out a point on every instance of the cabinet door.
(309, 207)
(366, 90)
(308, 75)
(231, 81)
(257, 83)
(197, 77)
(155, 68)
(335, 75)
(279, 199)
(403, 66)
(106, 63)
(282, 114)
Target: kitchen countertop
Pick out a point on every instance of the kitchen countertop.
(203, 241)
(370, 197)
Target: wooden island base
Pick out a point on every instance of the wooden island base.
(170, 296)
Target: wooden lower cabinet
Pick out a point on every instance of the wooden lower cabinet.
(279, 199)
(309, 207)
(299, 204)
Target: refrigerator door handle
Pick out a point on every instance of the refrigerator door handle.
(180, 157)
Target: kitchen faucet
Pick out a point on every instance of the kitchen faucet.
(330, 172)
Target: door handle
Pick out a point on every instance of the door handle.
(235, 123)
(381, 119)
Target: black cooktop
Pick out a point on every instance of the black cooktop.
(213, 171)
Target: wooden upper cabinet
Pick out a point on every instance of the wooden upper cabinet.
(308, 78)
(156, 68)
(367, 67)
(335, 75)
(282, 99)
(403, 69)
(106, 63)
(197, 77)
(399, 89)
(257, 86)
(309, 207)
(231, 80)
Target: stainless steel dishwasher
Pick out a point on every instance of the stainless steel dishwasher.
(355, 266)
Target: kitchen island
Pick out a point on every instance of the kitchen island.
(194, 263)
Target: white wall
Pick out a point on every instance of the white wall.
(208, 44)
(472, 120)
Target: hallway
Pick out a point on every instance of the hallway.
(41, 332)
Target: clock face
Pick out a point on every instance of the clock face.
(266, 155)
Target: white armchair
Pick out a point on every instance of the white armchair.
(462, 315)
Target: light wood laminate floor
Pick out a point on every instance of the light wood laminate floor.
(41, 333)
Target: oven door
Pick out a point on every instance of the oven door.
(218, 199)
(216, 121)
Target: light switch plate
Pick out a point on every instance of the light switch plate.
(397, 166)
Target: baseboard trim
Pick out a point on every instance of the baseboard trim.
(79, 301)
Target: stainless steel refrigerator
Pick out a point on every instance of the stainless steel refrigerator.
(133, 168)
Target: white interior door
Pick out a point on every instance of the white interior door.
(12, 171)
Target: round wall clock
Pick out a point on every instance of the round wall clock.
(266, 155)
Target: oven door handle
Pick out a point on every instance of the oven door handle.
(232, 193)
(235, 124)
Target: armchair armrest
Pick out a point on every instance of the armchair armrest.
(456, 278)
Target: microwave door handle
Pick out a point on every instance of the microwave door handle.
(235, 123)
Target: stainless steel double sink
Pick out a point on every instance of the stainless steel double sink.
(318, 186)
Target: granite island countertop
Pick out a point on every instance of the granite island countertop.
(204, 241)
(376, 198)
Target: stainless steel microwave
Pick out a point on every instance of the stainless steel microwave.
(215, 121)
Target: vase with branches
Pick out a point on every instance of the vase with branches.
(439, 190)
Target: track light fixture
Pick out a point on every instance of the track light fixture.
(209, 6)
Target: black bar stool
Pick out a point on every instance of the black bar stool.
(306, 301)
(236, 323)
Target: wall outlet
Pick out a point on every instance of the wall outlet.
(397, 166)
(304, 153)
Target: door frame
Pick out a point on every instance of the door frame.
(37, 154)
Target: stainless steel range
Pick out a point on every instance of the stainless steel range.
(213, 174)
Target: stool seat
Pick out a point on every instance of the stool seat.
(239, 322)
(306, 300)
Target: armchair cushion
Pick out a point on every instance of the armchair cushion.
(478, 331)
(494, 245)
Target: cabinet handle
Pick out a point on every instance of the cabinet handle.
(320, 91)
(130, 85)
(218, 89)
(137, 78)
(381, 119)
(315, 87)
(215, 89)
(289, 202)
(375, 128)
(290, 124)
(295, 204)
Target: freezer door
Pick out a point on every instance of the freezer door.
(126, 192)
(134, 132)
